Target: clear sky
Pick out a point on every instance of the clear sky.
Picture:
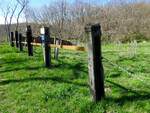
(39, 3)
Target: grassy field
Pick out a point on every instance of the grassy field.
(27, 87)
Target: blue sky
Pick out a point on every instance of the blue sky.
(38, 3)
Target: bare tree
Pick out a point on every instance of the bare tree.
(8, 13)
(23, 4)
(119, 18)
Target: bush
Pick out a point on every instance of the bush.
(139, 37)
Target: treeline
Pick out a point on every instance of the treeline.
(2, 33)
(121, 20)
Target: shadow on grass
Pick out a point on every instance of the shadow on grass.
(119, 101)
(77, 68)
(89, 107)
(135, 96)
(55, 79)
(128, 98)
(12, 61)
(122, 87)
(20, 68)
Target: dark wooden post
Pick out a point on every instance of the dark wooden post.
(29, 40)
(20, 42)
(16, 37)
(12, 38)
(96, 72)
(45, 35)
(56, 50)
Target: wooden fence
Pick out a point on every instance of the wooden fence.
(93, 33)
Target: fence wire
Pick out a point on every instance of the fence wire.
(128, 72)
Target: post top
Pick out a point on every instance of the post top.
(44, 30)
(28, 28)
(90, 26)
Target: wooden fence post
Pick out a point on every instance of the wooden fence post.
(20, 42)
(16, 37)
(12, 38)
(45, 36)
(29, 40)
(56, 49)
(96, 72)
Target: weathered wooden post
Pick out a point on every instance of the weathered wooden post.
(16, 37)
(96, 72)
(29, 40)
(12, 39)
(45, 36)
(20, 42)
(56, 50)
(61, 43)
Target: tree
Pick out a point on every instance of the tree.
(22, 4)
(8, 12)
(118, 18)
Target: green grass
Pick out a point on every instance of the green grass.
(26, 86)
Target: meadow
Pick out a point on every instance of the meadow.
(26, 86)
